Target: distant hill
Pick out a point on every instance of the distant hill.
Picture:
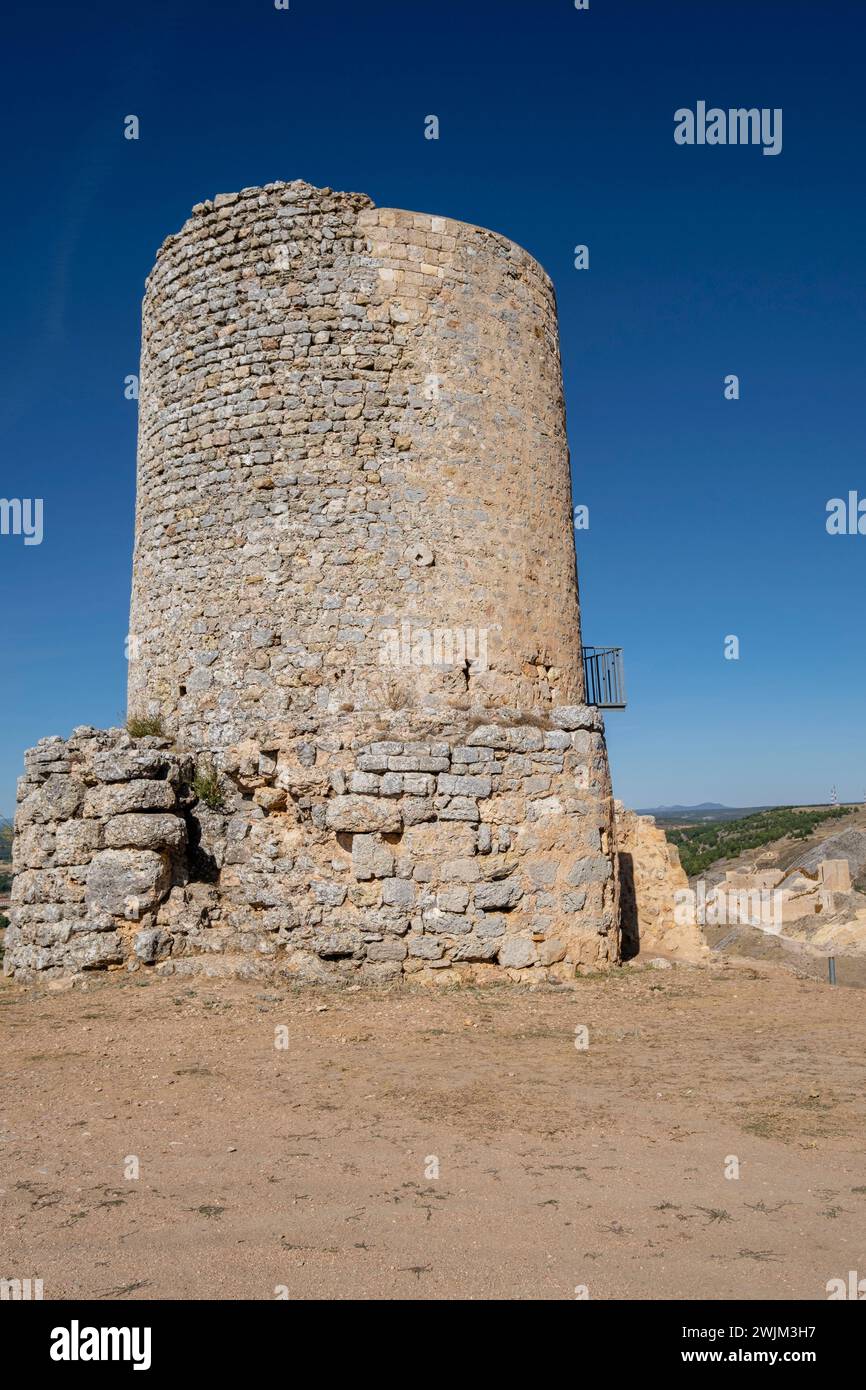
(704, 842)
(708, 811)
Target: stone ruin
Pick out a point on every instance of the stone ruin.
(652, 880)
(355, 629)
(795, 892)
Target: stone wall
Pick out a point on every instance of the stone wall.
(100, 840)
(354, 623)
(474, 851)
(350, 419)
(650, 875)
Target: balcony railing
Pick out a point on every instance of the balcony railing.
(603, 676)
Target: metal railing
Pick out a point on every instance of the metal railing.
(603, 677)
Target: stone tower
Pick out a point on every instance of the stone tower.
(354, 619)
(351, 419)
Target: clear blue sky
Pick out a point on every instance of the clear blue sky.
(707, 516)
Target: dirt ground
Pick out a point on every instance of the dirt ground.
(761, 947)
(307, 1170)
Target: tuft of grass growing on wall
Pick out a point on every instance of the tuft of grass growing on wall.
(208, 788)
(144, 726)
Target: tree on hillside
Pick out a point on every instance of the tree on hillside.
(703, 845)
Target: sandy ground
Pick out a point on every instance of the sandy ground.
(761, 947)
(308, 1168)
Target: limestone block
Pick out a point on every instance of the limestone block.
(576, 717)
(574, 902)
(594, 869)
(328, 894)
(469, 786)
(126, 882)
(94, 950)
(551, 951)
(461, 808)
(398, 892)
(270, 799)
(387, 950)
(505, 810)
(138, 830)
(366, 783)
(151, 945)
(367, 814)
(445, 923)
(370, 857)
(331, 945)
(454, 898)
(130, 764)
(58, 799)
(490, 924)
(476, 949)
(121, 798)
(463, 870)
(425, 947)
(34, 886)
(35, 847)
(516, 953)
(494, 896)
(489, 736)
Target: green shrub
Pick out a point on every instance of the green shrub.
(207, 787)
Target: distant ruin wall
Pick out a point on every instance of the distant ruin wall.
(650, 876)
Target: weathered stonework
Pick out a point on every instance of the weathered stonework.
(100, 839)
(477, 846)
(349, 418)
(650, 876)
(351, 430)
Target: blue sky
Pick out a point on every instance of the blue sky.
(706, 515)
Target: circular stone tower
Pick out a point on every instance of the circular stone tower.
(355, 607)
(353, 478)
(355, 615)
